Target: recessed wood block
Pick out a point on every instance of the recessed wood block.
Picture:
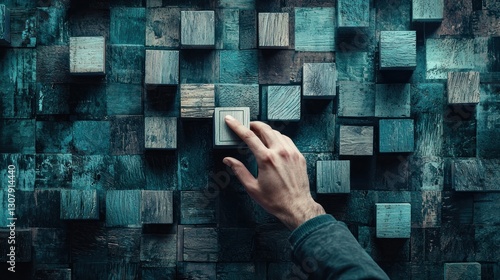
(197, 100)
(273, 30)
(396, 136)
(469, 271)
(200, 245)
(315, 29)
(162, 67)
(160, 132)
(393, 220)
(427, 10)
(224, 136)
(353, 13)
(283, 103)
(467, 175)
(333, 176)
(237, 95)
(398, 50)
(198, 29)
(320, 80)
(197, 208)
(157, 207)
(463, 87)
(79, 205)
(392, 100)
(356, 99)
(356, 140)
(87, 55)
(123, 208)
(4, 25)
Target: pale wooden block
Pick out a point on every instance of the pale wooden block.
(157, 207)
(398, 50)
(320, 80)
(197, 100)
(427, 10)
(87, 55)
(198, 29)
(333, 176)
(4, 25)
(224, 136)
(356, 140)
(162, 67)
(273, 30)
(393, 220)
(79, 205)
(160, 132)
(283, 103)
(463, 87)
(459, 271)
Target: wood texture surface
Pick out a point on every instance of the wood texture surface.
(353, 13)
(396, 136)
(198, 29)
(427, 10)
(162, 67)
(160, 132)
(197, 100)
(87, 55)
(200, 245)
(333, 176)
(356, 140)
(223, 135)
(197, 208)
(163, 27)
(356, 99)
(468, 175)
(273, 30)
(284, 103)
(392, 100)
(79, 205)
(319, 80)
(157, 207)
(398, 50)
(393, 220)
(463, 87)
(462, 270)
(4, 25)
(315, 29)
(237, 95)
(123, 208)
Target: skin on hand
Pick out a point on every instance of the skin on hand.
(282, 185)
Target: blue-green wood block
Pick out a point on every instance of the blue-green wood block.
(195, 270)
(353, 13)
(129, 172)
(25, 171)
(237, 95)
(398, 50)
(123, 99)
(333, 176)
(128, 26)
(79, 205)
(200, 245)
(163, 27)
(53, 273)
(315, 29)
(392, 100)
(158, 250)
(22, 243)
(17, 136)
(4, 25)
(239, 67)
(319, 80)
(356, 99)
(355, 66)
(283, 103)
(248, 29)
(427, 10)
(123, 208)
(127, 64)
(396, 136)
(197, 208)
(236, 4)
(53, 170)
(243, 271)
(198, 29)
(427, 98)
(93, 172)
(393, 220)
(127, 135)
(91, 137)
(88, 101)
(199, 67)
(53, 137)
(45, 209)
(157, 207)
(464, 270)
(227, 29)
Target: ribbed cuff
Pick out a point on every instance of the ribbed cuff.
(309, 226)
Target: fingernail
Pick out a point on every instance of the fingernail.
(229, 118)
(227, 162)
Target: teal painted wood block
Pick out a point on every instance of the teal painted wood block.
(273, 30)
(17, 136)
(53, 170)
(284, 103)
(243, 271)
(239, 67)
(199, 66)
(123, 208)
(236, 4)
(54, 137)
(87, 141)
(4, 25)
(315, 29)
(200, 245)
(356, 140)
(427, 10)
(163, 27)
(25, 171)
(195, 270)
(356, 99)
(398, 50)
(353, 13)
(333, 176)
(224, 137)
(123, 99)
(319, 80)
(162, 67)
(468, 175)
(197, 208)
(465, 270)
(393, 220)
(128, 26)
(392, 100)
(248, 29)
(237, 95)
(198, 29)
(157, 207)
(93, 172)
(127, 135)
(79, 205)
(160, 132)
(158, 250)
(463, 87)
(355, 66)
(127, 64)
(396, 136)
(227, 29)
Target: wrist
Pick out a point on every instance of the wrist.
(302, 213)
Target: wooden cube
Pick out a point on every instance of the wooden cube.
(356, 99)
(396, 136)
(320, 80)
(353, 13)
(393, 220)
(197, 100)
(469, 271)
(236, 95)
(223, 135)
(198, 29)
(283, 103)
(158, 250)
(162, 67)
(427, 10)
(467, 175)
(200, 245)
(333, 176)
(4, 25)
(197, 208)
(157, 207)
(315, 29)
(463, 87)
(160, 132)
(356, 140)
(273, 30)
(123, 208)
(392, 100)
(398, 50)
(87, 55)
(79, 205)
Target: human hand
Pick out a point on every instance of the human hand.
(282, 185)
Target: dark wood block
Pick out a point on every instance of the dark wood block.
(123, 21)
(127, 64)
(52, 99)
(88, 242)
(200, 245)
(56, 274)
(471, 270)
(90, 270)
(123, 99)
(396, 136)
(488, 122)
(160, 133)
(486, 243)
(157, 207)
(223, 135)
(271, 244)
(356, 99)
(485, 208)
(239, 67)
(50, 245)
(53, 137)
(79, 205)
(426, 209)
(198, 29)
(93, 172)
(127, 135)
(123, 208)
(243, 271)
(398, 50)
(427, 98)
(236, 95)
(392, 100)
(129, 172)
(427, 10)
(163, 27)
(193, 270)
(333, 176)
(20, 242)
(248, 29)
(153, 273)
(319, 80)
(315, 29)
(119, 270)
(236, 4)
(4, 25)
(25, 171)
(52, 26)
(46, 209)
(427, 173)
(236, 244)
(87, 142)
(24, 209)
(197, 208)
(88, 101)
(162, 67)
(273, 30)
(124, 245)
(356, 140)
(353, 13)
(468, 175)
(87, 55)
(197, 100)
(89, 22)
(199, 67)
(16, 100)
(429, 135)
(160, 169)
(393, 220)
(24, 27)
(53, 170)
(158, 250)
(284, 103)
(17, 136)
(227, 29)
(463, 87)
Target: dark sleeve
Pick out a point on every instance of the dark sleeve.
(325, 249)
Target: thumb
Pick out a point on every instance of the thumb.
(241, 172)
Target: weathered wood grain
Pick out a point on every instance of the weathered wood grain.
(160, 132)
(45, 208)
(333, 176)
(355, 65)
(53, 170)
(128, 26)
(273, 30)
(223, 135)
(470, 270)
(319, 80)
(87, 55)
(198, 29)
(199, 66)
(356, 140)
(427, 10)
(243, 271)
(315, 29)
(200, 245)
(463, 87)
(468, 174)
(79, 205)
(353, 13)
(227, 29)
(248, 29)
(197, 208)
(237, 95)
(398, 50)
(128, 171)
(197, 100)
(25, 171)
(158, 250)
(392, 100)
(4, 25)
(87, 142)
(127, 64)
(162, 67)
(124, 244)
(284, 103)
(50, 245)
(157, 207)
(123, 208)
(393, 220)
(163, 27)
(93, 172)
(239, 67)
(356, 99)
(53, 137)
(123, 99)
(396, 136)
(127, 135)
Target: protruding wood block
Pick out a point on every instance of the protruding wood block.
(223, 135)
(398, 50)
(197, 208)
(162, 67)
(273, 30)
(467, 175)
(356, 140)
(356, 99)
(333, 176)
(160, 132)
(396, 136)
(427, 10)
(79, 205)
(236, 95)
(123, 208)
(353, 13)
(197, 100)
(87, 55)
(4, 25)
(392, 100)
(320, 80)
(393, 220)
(463, 87)
(198, 29)
(469, 271)
(200, 245)
(157, 207)
(283, 103)
(315, 29)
